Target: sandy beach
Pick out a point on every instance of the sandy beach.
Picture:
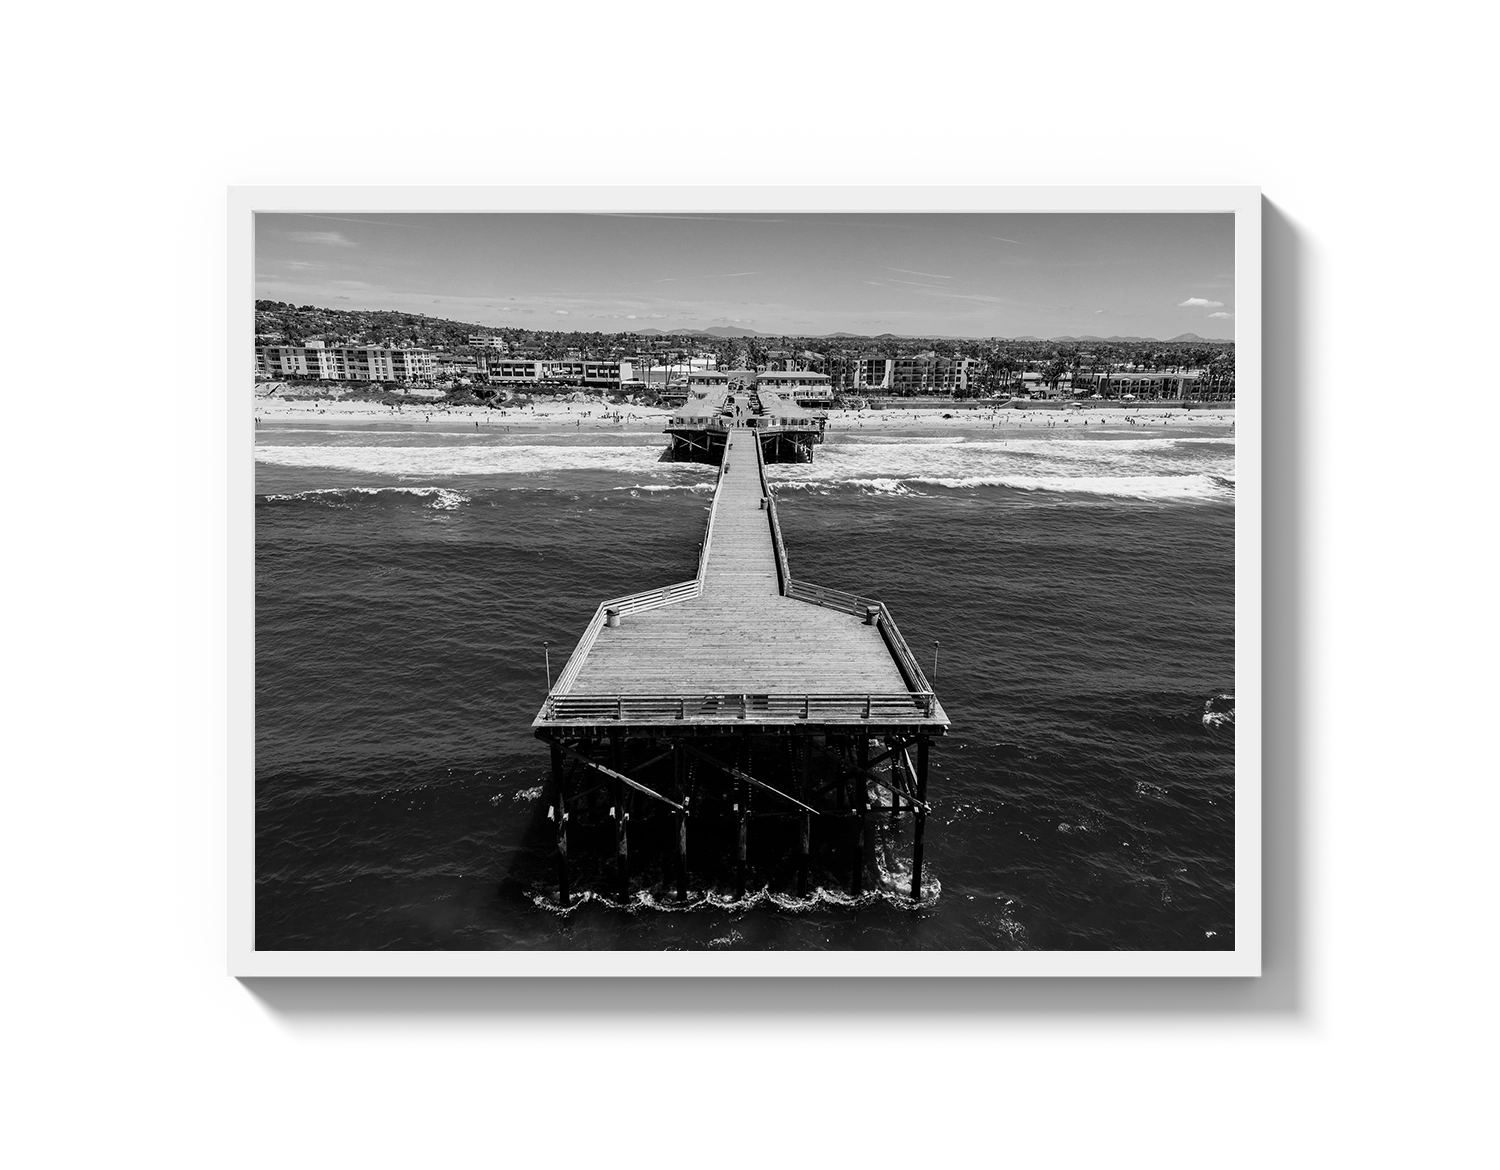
(600, 416)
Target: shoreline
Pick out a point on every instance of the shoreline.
(596, 416)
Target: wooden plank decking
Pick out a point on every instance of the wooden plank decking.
(741, 637)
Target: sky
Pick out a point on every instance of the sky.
(933, 275)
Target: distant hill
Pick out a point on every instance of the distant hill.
(714, 331)
(282, 323)
(1117, 340)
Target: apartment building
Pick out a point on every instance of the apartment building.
(603, 374)
(922, 374)
(802, 386)
(345, 363)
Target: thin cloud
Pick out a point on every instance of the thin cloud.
(1098, 311)
(710, 276)
(416, 227)
(717, 218)
(1003, 239)
(912, 272)
(977, 298)
(561, 312)
(1220, 316)
(327, 239)
(1199, 303)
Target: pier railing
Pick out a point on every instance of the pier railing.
(667, 708)
(837, 599)
(853, 603)
(708, 532)
(783, 567)
(630, 603)
(636, 603)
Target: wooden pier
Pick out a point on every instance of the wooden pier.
(742, 694)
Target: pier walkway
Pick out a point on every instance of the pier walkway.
(743, 641)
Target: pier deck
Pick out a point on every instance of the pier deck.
(742, 642)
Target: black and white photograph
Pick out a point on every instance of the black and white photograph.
(739, 582)
(778, 586)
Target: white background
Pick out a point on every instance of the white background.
(1369, 1041)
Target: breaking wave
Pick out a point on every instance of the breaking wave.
(1204, 488)
(1183, 468)
(422, 462)
(1218, 711)
(441, 498)
(664, 901)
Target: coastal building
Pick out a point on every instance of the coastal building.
(609, 375)
(920, 374)
(345, 363)
(664, 371)
(462, 366)
(802, 386)
(1195, 385)
(700, 385)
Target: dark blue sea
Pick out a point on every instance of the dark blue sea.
(1080, 583)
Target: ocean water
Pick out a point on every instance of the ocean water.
(1080, 584)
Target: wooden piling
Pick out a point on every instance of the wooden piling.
(742, 808)
(680, 763)
(920, 820)
(622, 849)
(840, 775)
(859, 801)
(897, 771)
(564, 893)
(622, 819)
(806, 836)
